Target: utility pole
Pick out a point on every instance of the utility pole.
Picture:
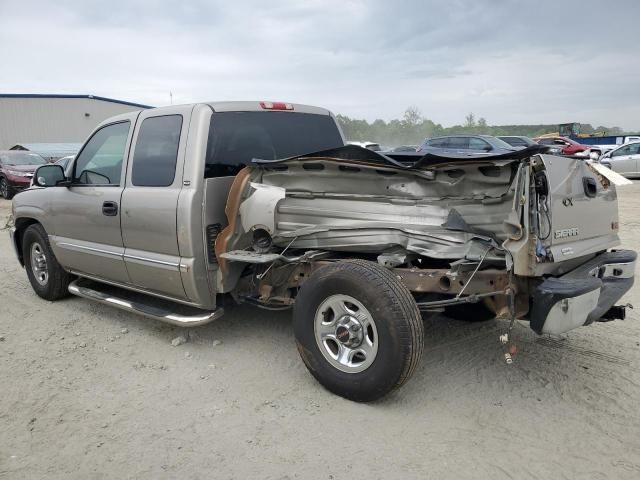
(171, 98)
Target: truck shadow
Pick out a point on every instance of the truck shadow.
(461, 359)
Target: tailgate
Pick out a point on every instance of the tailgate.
(583, 210)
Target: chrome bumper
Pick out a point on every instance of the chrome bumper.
(583, 295)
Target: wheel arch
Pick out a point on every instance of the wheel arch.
(21, 225)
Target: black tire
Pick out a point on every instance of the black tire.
(399, 328)
(471, 312)
(56, 285)
(5, 189)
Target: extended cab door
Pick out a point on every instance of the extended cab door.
(149, 201)
(85, 216)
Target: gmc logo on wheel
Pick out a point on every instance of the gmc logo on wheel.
(565, 232)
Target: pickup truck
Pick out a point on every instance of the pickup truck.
(165, 210)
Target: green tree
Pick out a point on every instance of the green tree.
(470, 120)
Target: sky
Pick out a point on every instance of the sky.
(509, 61)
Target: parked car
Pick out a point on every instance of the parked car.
(16, 171)
(517, 141)
(597, 150)
(465, 145)
(624, 160)
(169, 208)
(565, 145)
(64, 162)
(368, 145)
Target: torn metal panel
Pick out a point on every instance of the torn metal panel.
(258, 211)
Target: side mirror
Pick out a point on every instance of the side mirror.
(48, 176)
(488, 148)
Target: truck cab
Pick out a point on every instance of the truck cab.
(148, 189)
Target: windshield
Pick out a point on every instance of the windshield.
(235, 138)
(21, 158)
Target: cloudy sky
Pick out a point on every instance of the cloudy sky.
(510, 61)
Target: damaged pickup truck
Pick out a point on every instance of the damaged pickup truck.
(166, 209)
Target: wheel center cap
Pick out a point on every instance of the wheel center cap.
(349, 331)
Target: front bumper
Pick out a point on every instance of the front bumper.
(18, 183)
(583, 295)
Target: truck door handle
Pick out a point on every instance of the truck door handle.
(110, 209)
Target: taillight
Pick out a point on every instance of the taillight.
(276, 106)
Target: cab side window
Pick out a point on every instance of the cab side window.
(100, 161)
(156, 153)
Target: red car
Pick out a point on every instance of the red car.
(16, 170)
(565, 145)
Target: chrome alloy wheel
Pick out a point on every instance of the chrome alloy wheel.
(346, 333)
(39, 264)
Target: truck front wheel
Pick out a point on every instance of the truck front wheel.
(358, 329)
(48, 279)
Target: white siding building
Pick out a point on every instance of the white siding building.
(35, 118)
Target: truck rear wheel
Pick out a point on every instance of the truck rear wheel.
(48, 279)
(358, 329)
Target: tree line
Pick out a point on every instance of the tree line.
(413, 128)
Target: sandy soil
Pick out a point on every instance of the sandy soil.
(87, 391)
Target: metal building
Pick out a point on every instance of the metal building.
(38, 118)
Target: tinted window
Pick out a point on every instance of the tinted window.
(438, 142)
(459, 142)
(514, 141)
(100, 161)
(235, 138)
(546, 141)
(156, 153)
(478, 144)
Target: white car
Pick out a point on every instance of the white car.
(624, 160)
(370, 145)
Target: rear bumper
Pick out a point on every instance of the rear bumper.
(583, 295)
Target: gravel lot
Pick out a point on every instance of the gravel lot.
(88, 391)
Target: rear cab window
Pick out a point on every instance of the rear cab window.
(236, 138)
(156, 152)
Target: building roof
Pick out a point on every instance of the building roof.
(49, 150)
(92, 97)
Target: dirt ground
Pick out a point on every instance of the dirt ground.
(90, 392)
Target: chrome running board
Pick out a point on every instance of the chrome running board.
(162, 310)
